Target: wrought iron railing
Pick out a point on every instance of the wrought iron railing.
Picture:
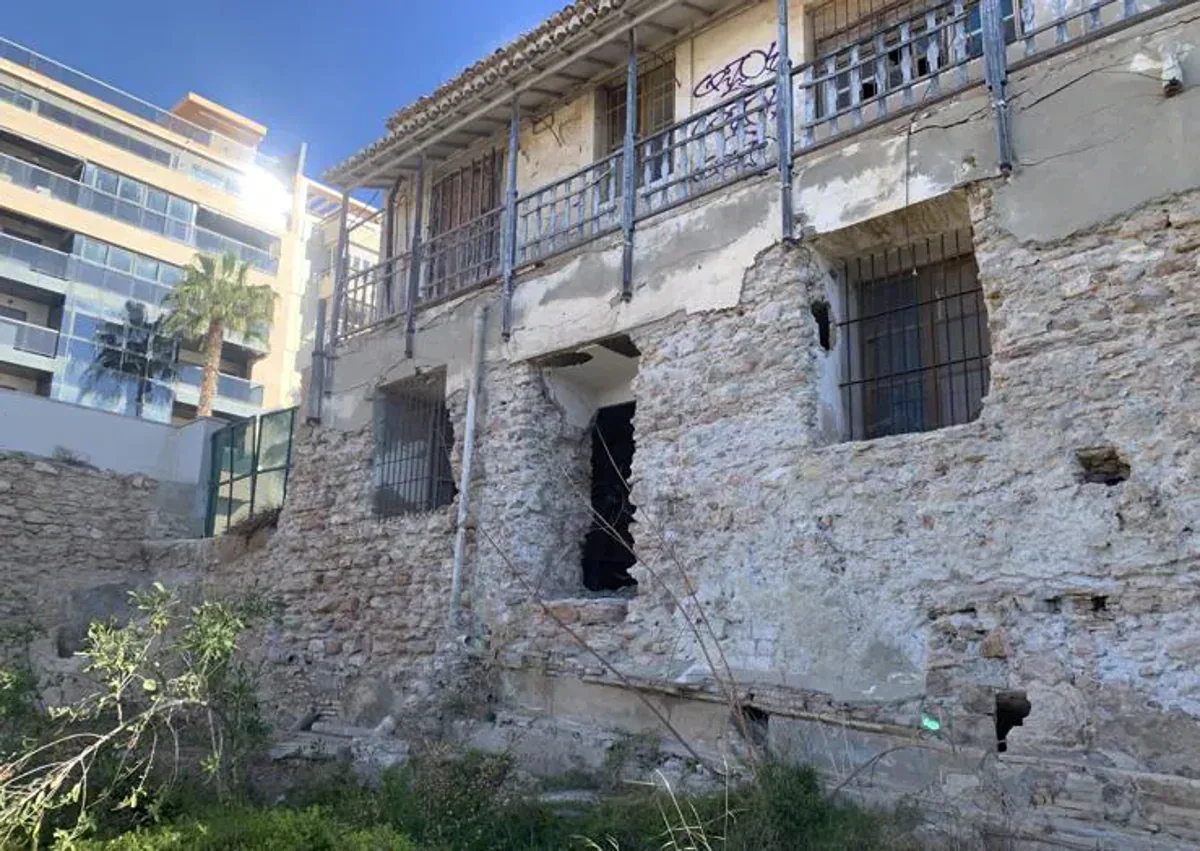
(931, 54)
(373, 294)
(724, 143)
(461, 257)
(579, 207)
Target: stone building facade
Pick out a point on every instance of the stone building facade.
(987, 610)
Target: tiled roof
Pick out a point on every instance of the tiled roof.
(489, 73)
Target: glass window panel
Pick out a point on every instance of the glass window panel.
(146, 268)
(119, 258)
(131, 190)
(156, 200)
(154, 221)
(127, 211)
(92, 250)
(243, 448)
(179, 209)
(268, 490)
(86, 326)
(242, 491)
(179, 230)
(169, 275)
(274, 442)
(105, 181)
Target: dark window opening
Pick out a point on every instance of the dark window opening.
(756, 725)
(1099, 604)
(608, 546)
(1102, 465)
(820, 312)
(1012, 708)
(915, 347)
(413, 437)
(233, 229)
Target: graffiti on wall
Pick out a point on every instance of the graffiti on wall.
(751, 68)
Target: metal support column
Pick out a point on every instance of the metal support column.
(414, 267)
(629, 167)
(783, 121)
(389, 251)
(509, 240)
(341, 268)
(995, 58)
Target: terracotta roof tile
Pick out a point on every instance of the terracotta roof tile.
(489, 72)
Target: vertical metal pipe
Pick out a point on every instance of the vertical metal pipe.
(996, 75)
(783, 118)
(341, 267)
(316, 379)
(414, 264)
(468, 460)
(509, 242)
(629, 167)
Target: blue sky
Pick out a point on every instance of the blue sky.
(327, 72)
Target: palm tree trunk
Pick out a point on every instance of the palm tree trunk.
(212, 363)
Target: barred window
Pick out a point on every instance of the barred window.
(914, 339)
(413, 437)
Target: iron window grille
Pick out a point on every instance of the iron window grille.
(914, 340)
(413, 438)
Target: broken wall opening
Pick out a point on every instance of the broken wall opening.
(593, 387)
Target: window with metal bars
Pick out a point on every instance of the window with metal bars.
(413, 437)
(655, 113)
(914, 339)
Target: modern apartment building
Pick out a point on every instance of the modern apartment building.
(104, 198)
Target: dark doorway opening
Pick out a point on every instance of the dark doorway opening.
(608, 546)
(1012, 708)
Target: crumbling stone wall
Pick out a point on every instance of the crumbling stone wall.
(71, 541)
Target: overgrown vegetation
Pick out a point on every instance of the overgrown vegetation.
(442, 802)
(170, 701)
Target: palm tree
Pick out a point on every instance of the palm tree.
(212, 300)
(134, 349)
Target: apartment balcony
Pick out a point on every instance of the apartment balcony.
(25, 58)
(236, 396)
(27, 345)
(70, 191)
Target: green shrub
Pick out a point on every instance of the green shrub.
(311, 829)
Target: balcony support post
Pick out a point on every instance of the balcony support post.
(783, 121)
(341, 268)
(508, 242)
(388, 305)
(629, 167)
(414, 263)
(995, 59)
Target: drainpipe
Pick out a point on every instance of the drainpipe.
(464, 481)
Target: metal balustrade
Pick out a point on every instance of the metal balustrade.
(461, 257)
(374, 294)
(26, 337)
(579, 207)
(729, 141)
(929, 55)
(925, 56)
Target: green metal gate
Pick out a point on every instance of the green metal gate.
(251, 460)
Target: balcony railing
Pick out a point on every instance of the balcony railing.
(25, 337)
(228, 386)
(71, 191)
(569, 211)
(81, 82)
(71, 267)
(893, 71)
(373, 294)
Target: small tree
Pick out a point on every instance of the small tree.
(213, 300)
